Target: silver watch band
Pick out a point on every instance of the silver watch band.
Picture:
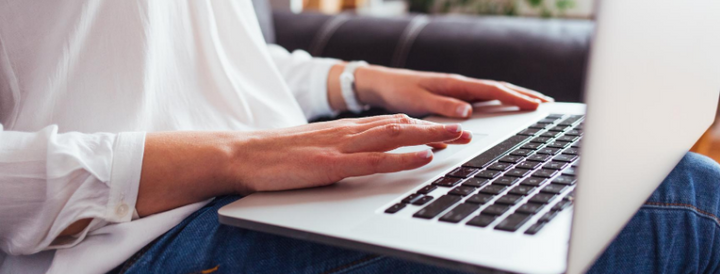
(347, 86)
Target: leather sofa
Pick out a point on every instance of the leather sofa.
(548, 55)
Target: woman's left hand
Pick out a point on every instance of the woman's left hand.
(421, 93)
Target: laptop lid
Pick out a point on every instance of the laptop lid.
(652, 90)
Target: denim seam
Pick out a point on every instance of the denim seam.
(351, 265)
(690, 207)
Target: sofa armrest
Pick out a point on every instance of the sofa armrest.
(548, 55)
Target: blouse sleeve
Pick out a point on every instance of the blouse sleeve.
(49, 180)
(307, 78)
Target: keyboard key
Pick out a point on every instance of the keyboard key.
(500, 166)
(493, 189)
(548, 216)
(540, 140)
(521, 152)
(573, 132)
(540, 126)
(565, 158)
(511, 159)
(529, 165)
(506, 180)
(487, 174)
(555, 165)
(427, 189)
(482, 220)
(532, 146)
(563, 204)
(544, 173)
(564, 180)
(508, 199)
(570, 196)
(493, 153)
(555, 116)
(551, 134)
(476, 182)
(529, 132)
(542, 198)
(462, 172)
(447, 182)
(459, 213)
(553, 189)
(530, 208)
(571, 171)
(534, 229)
(522, 190)
(518, 172)
(558, 144)
(571, 151)
(462, 191)
(436, 207)
(571, 120)
(546, 121)
(559, 128)
(395, 208)
(495, 209)
(539, 157)
(549, 151)
(424, 200)
(568, 139)
(479, 198)
(413, 197)
(533, 181)
(513, 222)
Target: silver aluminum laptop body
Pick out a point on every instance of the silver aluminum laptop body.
(653, 87)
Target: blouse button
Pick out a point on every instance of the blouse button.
(121, 210)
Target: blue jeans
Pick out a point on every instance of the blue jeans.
(676, 231)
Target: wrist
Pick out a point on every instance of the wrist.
(365, 84)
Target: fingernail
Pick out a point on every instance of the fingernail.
(454, 128)
(463, 111)
(550, 99)
(424, 154)
(467, 135)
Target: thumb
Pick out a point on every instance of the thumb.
(447, 106)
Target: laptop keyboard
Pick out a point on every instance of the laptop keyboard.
(529, 174)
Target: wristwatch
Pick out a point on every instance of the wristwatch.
(347, 86)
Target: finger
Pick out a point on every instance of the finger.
(531, 93)
(438, 145)
(509, 96)
(366, 163)
(401, 119)
(446, 106)
(464, 139)
(392, 136)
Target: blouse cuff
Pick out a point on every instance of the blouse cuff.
(125, 177)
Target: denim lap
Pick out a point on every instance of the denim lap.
(676, 231)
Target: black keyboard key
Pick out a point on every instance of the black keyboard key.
(539, 157)
(548, 216)
(568, 139)
(558, 144)
(541, 140)
(508, 199)
(493, 189)
(427, 189)
(493, 153)
(546, 121)
(549, 151)
(540, 126)
(544, 173)
(495, 209)
(573, 132)
(534, 229)
(533, 181)
(521, 190)
(447, 181)
(559, 128)
(511, 159)
(551, 134)
(572, 151)
(570, 171)
(529, 165)
(565, 158)
(459, 213)
(513, 222)
(476, 182)
(571, 120)
(555, 165)
(436, 207)
(555, 116)
(413, 197)
(482, 220)
(553, 189)
(424, 200)
(395, 208)
(563, 204)
(479, 198)
(462, 172)
(532, 146)
(506, 180)
(529, 132)
(488, 174)
(518, 172)
(521, 152)
(462, 191)
(530, 208)
(564, 180)
(542, 198)
(500, 166)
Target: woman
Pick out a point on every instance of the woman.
(124, 119)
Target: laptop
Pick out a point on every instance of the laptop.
(544, 191)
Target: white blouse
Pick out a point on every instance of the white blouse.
(80, 84)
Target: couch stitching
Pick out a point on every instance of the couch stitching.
(407, 39)
(694, 208)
